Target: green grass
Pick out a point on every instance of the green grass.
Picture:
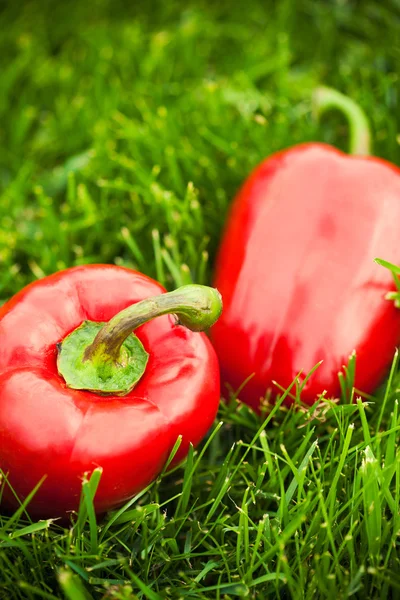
(125, 129)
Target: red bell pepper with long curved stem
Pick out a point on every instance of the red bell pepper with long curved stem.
(296, 267)
(77, 393)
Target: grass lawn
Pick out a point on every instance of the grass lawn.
(125, 130)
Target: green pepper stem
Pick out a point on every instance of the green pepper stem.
(326, 98)
(197, 307)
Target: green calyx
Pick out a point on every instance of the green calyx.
(107, 377)
(108, 359)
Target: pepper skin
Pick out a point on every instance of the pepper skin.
(48, 429)
(297, 274)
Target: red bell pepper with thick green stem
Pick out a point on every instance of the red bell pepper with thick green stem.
(296, 267)
(76, 393)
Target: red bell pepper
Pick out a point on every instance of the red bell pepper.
(296, 267)
(77, 393)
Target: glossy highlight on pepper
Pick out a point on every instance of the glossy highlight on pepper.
(296, 267)
(48, 428)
